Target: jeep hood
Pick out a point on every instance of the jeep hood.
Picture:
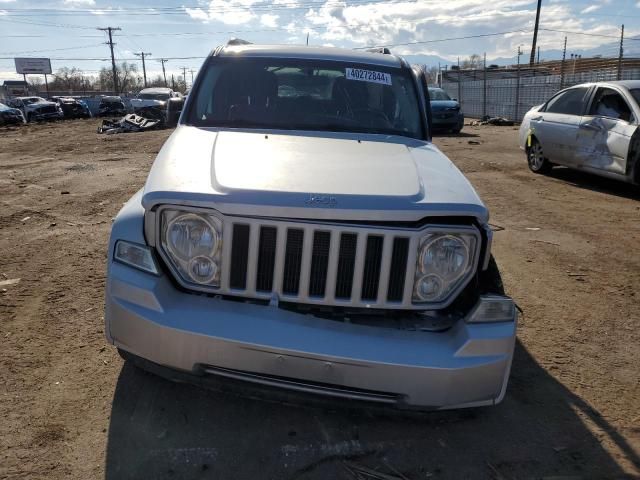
(311, 175)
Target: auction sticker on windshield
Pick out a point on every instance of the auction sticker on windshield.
(368, 76)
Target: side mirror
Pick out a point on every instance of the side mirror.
(454, 99)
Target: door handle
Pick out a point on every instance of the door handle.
(591, 126)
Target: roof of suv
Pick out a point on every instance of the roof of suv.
(313, 53)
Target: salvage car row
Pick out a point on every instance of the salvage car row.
(25, 109)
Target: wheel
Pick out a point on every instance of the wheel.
(457, 130)
(536, 159)
(29, 119)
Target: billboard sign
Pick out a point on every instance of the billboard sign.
(33, 65)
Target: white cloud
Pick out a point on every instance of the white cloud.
(269, 20)
(234, 12)
(80, 2)
(591, 8)
(7, 1)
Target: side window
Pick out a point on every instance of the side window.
(570, 102)
(609, 103)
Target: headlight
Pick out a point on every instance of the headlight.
(193, 243)
(445, 260)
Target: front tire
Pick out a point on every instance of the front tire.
(536, 160)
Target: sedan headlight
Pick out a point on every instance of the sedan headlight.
(193, 243)
(445, 260)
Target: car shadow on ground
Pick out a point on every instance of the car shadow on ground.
(159, 429)
(595, 183)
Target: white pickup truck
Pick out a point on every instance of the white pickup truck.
(153, 97)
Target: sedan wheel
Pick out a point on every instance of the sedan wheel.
(536, 159)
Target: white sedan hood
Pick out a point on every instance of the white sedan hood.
(311, 175)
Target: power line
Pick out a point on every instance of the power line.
(182, 10)
(51, 49)
(442, 39)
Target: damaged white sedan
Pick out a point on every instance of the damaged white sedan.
(591, 127)
(300, 232)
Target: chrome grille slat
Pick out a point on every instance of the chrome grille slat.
(278, 274)
(385, 268)
(307, 245)
(411, 263)
(361, 247)
(252, 263)
(330, 290)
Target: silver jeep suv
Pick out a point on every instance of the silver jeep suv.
(299, 230)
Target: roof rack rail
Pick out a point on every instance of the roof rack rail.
(237, 41)
(383, 50)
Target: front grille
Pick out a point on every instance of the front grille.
(344, 265)
(47, 109)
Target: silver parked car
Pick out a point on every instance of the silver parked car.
(591, 127)
(36, 108)
(299, 230)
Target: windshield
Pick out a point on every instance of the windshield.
(636, 94)
(153, 96)
(29, 101)
(438, 94)
(294, 94)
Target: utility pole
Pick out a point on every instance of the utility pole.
(164, 73)
(619, 76)
(173, 83)
(184, 76)
(484, 87)
(535, 35)
(515, 117)
(113, 60)
(144, 68)
(564, 56)
(459, 84)
(191, 77)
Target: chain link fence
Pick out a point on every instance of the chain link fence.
(511, 91)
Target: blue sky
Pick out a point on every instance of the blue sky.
(65, 29)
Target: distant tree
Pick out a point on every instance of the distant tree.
(67, 79)
(474, 61)
(128, 78)
(157, 81)
(36, 81)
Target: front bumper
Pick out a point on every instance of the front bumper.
(447, 119)
(39, 116)
(466, 365)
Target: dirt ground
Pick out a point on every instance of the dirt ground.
(568, 246)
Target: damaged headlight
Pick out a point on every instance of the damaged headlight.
(445, 260)
(193, 243)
